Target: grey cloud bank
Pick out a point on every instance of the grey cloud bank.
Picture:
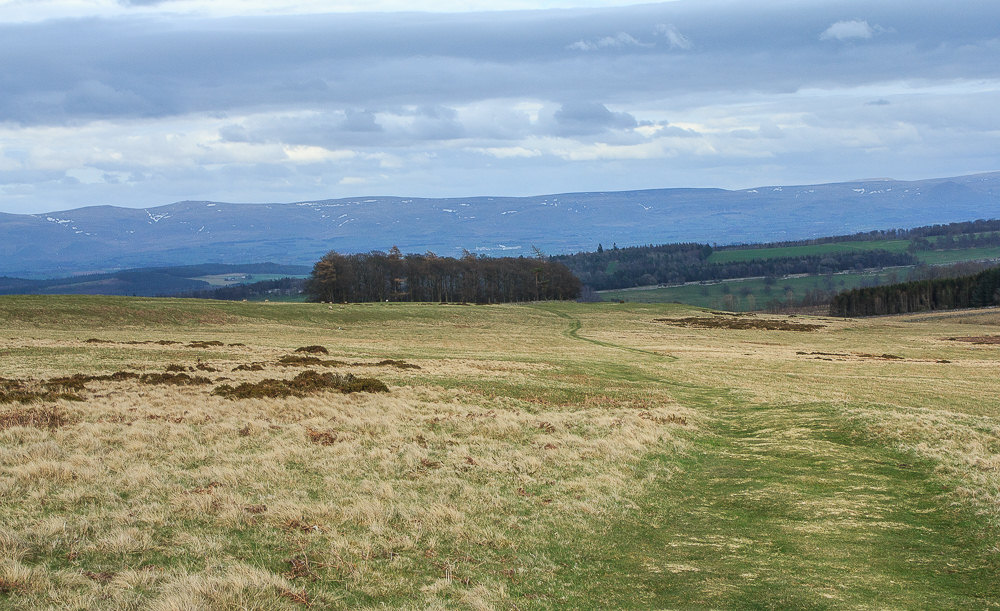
(144, 110)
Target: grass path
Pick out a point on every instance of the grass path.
(573, 332)
(788, 507)
(781, 508)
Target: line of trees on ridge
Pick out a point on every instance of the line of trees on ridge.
(393, 276)
(976, 291)
(956, 241)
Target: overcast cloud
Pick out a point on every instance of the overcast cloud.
(145, 102)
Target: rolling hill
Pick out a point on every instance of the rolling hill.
(105, 238)
(152, 282)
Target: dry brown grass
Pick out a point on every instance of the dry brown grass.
(507, 436)
(45, 417)
(403, 474)
(428, 489)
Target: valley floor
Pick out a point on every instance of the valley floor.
(550, 455)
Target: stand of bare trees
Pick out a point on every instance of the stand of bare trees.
(392, 276)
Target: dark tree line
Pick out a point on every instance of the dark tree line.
(955, 242)
(392, 276)
(979, 290)
(635, 265)
(678, 263)
(977, 226)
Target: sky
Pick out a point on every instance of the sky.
(143, 103)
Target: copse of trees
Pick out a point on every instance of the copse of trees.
(975, 291)
(392, 276)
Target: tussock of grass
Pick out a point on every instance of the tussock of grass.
(324, 438)
(78, 381)
(205, 344)
(885, 356)
(19, 391)
(174, 379)
(395, 363)
(313, 350)
(159, 342)
(978, 339)
(74, 382)
(305, 383)
(292, 360)
(47, 417)
(663, 419)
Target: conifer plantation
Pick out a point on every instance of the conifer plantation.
(975, 291)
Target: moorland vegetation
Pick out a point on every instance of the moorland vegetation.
(168, 454)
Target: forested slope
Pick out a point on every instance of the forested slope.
(975, 291)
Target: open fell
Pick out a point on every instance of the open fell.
(522, 456)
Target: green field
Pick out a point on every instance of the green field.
(937, 257)
(932, 257)
(217, 280)
(750, 254)
(542, 456)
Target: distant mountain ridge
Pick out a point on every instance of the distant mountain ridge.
(105, 238)
(150, 282)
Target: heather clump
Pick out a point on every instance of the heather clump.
(305, 383)
(313, 350)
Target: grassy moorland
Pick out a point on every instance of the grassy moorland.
(524, 456)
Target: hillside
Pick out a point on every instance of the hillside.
(154, 281)
(104, 238)
(777, 276)
(558, 455)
